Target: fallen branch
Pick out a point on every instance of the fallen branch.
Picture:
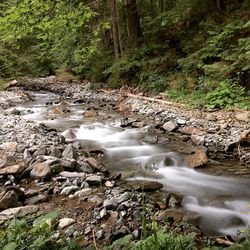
(151, 99)
(224, 242)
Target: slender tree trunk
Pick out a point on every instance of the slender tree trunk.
(112, 7)
(133, 20)
(119, 29)
(218, 4)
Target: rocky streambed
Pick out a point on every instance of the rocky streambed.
(94, 154)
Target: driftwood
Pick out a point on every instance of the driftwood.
(151, 99)
(224, 242)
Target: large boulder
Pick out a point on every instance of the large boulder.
(10, 199)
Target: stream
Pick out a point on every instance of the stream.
(219, 201)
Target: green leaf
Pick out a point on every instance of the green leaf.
(10, 246)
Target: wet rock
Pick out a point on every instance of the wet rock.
(68, 164)
(41, 171)
(65, 222)
(36, 199)
(9, 200)
(198, 159)
(41, 151)
(151, 139)
(169, 126)
(15, 169)
(90, 113)
(94, 180)
(9, 214)
(198, 140)
(68, 190)
(15, 111)
(172, 216)
(69, 134)
(147, 186)
(70, 152)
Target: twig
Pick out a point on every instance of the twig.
(94, 240)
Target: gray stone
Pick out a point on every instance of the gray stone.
(57, 168)
(41, 171)
(169, 126)
(181, 121)
(69, 152)
(15, 169)
(9, 214)
(103, 212)
(65, 222)
(124, 197)
(99, 234)
(84, 192)
(55, 152)
(41, 151)
(27, 155)
(198, 140)
(72, 174)
(68, 190)
(110, 204)
(94, 180)
(36, 199)
(10, 199)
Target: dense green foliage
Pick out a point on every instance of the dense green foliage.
(186, 48)
(35, 234)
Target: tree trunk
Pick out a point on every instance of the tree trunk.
(133, 20)
(119, 29)
(112, 7)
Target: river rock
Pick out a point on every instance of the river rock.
(7, 160)
(10, 213)
(41, 171)
(198, 159)
(70, 152)
(124, 197)
(198, 140)
(96, 165)
(69, 134)
(57, 168)
(83, 192)
(7, 146)
(68, 190)
(15, 169)
(94, 180)
(55, 152)
(65, 222)
(147, 186)
(36, 199)
(169, 126)
(26, 154)
(10, 199)
(41, 151)
(173, 216)
(190, 130)
(72, 174)
(110, 204)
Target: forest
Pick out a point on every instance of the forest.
(195, 50)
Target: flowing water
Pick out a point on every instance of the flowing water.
(221, 202)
